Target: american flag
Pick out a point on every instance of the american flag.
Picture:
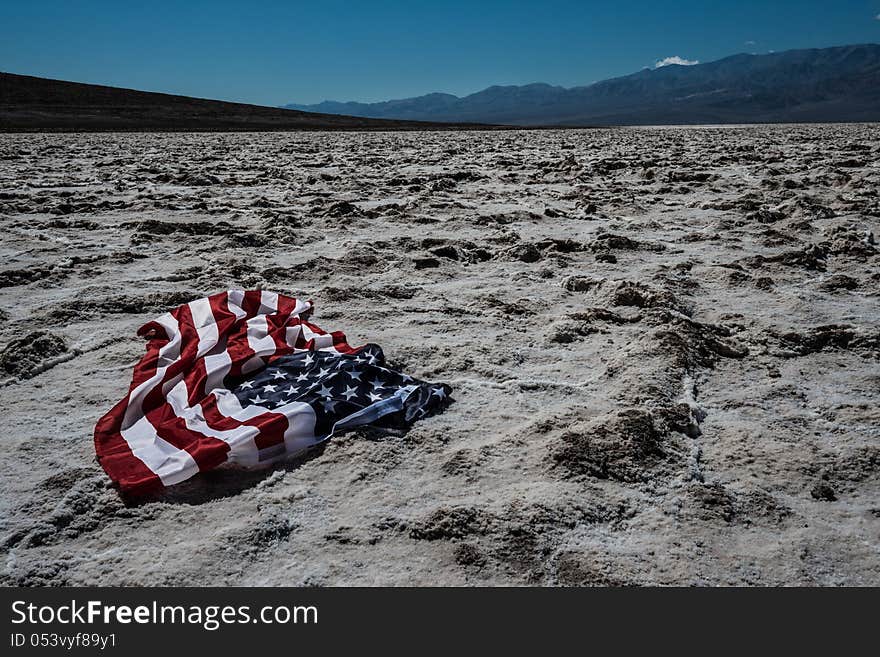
(242, 377)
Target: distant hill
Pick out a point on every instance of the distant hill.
(37, 104)
(828, 84)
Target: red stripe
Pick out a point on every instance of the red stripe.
(270, 426)
(339, 340)
(115, 456)
(340, 344)
(252, 303)
(286, 305)
(238, 348)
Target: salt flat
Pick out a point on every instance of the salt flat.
(664, 345)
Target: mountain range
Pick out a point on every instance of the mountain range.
(816, 85)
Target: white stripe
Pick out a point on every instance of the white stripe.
(291, 335)
(268, 302)
(235, 301)
(217, 367)
(258, 336)
(172, 465)
(300, 307)
(200, 309)
(322, 342)
(301, 419)
(242, 448)
(205, 324)
(300, 434)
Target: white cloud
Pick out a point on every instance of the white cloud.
(877, 17)
(675, 59)
(751, 43)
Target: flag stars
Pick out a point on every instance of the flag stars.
(308, 378)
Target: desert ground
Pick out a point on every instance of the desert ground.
(664, 345)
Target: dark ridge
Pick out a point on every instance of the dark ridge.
(31, 104)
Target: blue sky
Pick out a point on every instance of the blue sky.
(277, 52)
